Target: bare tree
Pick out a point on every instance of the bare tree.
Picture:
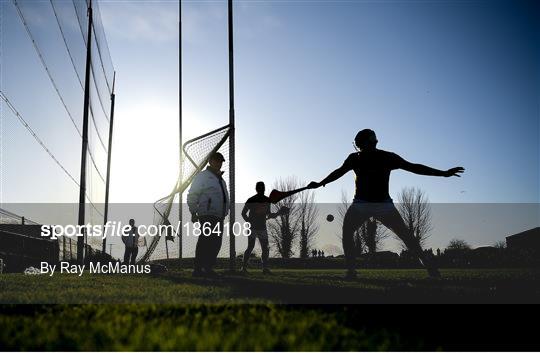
(307, 215)
(373, 233)
(501, 244)
(343, 207)
(458, 244)
(284, 229)
(416, 212)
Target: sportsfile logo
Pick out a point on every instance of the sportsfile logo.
(113, 228)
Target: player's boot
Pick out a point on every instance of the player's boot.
(350, 275)
(427, 261)
(432, 270)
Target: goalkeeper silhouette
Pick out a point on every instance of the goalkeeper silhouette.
(372, 168)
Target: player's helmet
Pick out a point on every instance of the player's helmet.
(365, 138)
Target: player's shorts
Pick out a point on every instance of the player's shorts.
(385, 212)
(261, 234)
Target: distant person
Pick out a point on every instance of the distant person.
(372, 167)
(320, 253)
(256, 211)
(131, 241)
(314, 253)
(208, 202)
(438, 252)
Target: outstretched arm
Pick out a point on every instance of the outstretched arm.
(425, 170)
(335, 175)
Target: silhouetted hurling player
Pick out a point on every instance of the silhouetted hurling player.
(372, 167)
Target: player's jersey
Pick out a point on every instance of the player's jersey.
(372, 169)
(259, 208)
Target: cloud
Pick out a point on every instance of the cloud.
(141, 20)
(258, 19)
(157, 21)
(201, 21)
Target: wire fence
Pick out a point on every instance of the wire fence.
(43, 86)
(7, 217)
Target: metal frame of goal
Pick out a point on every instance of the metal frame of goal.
(196, 154)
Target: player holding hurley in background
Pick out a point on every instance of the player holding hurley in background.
(256, 211)
(372, 168)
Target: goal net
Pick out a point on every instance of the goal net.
(170, 244)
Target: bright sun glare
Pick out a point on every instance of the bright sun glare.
(145, 158)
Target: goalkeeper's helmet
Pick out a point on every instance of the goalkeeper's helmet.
(365, 138)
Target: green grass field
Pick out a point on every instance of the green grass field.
(287, 310)
(282, 287)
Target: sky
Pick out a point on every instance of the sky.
(443, 83)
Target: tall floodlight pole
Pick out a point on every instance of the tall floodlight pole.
(180, 198)
(82, 184)
(232, 247)
(109, 152)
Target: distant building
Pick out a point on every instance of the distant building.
(528, 241)
(485, 256)
(525, 246)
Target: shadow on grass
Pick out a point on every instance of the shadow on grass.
(298, 288)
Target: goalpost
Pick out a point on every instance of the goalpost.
(193, 158)
(232, 213)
